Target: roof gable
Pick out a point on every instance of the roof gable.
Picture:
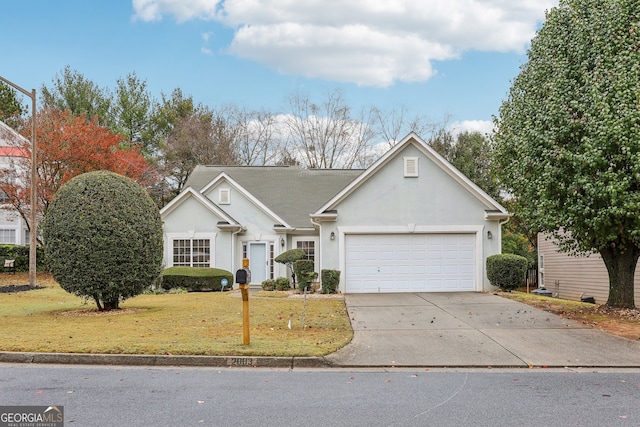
(433, 156)
(8, 139)
(286, 192)
(191, 193)
(224, 177)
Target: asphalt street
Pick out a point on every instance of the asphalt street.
(135, 396)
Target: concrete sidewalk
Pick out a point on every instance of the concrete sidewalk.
(471, 330)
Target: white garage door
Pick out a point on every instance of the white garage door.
(410, 262)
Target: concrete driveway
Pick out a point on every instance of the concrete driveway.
(471, 330)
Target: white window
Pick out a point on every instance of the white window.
(224, 196)
(410, 167)
(8, 236)
(192, 252)
(309, 248)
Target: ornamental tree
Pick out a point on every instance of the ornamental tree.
(567, 140)
(103, 238)
(288, 258)
(67, 146)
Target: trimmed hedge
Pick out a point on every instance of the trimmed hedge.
(304, 272)
(507, 271)
(195, 279)
(330, 280)
(279, 284)
(21, 255)
(290, 256)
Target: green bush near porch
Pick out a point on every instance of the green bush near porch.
(330, 281)
(304, 272)
(195, 279)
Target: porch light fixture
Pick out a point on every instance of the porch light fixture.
(489, 235)
(282, 242)
(332, 236)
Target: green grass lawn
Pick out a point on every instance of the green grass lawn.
(199, 323)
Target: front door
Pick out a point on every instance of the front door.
(258, 261)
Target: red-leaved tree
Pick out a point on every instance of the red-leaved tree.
(67, 146)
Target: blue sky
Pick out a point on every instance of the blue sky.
(437, 58)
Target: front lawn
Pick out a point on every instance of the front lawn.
(202, 323)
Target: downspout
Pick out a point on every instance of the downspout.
(317, 224)
(500, 224)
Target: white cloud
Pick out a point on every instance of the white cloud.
(482, 126)
(367, 42)
(181, 10)
(206, 36)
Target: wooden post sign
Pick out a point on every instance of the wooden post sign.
(243, 279)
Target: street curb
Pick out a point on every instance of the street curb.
(163, 360)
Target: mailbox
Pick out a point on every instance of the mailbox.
(243, 276)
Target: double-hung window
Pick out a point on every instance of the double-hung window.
(192, 252)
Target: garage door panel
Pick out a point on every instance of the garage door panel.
(410, 262)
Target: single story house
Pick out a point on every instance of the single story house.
(573, 277)
(13, 228)
(411, 222)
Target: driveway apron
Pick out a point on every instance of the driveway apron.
(472, 330)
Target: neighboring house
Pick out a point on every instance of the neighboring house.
(573, 277)
(409, 223)
(13, 229)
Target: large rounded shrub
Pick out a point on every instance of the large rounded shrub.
(103, 238)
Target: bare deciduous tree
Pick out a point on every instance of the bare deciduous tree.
(258, 138)
(326, 135)
(197, 139)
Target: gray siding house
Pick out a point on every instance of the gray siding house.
(572, 277)
(409, 223)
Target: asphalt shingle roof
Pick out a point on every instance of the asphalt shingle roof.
(291, 192)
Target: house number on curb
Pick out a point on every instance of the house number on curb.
(241, 361)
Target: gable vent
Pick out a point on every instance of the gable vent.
(224, 196)
(410, 167)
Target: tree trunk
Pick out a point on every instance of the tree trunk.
(621, 267)
(111, 305)
(97, 300)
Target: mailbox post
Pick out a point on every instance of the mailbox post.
(243, 278)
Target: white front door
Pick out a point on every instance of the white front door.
(258, 261)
